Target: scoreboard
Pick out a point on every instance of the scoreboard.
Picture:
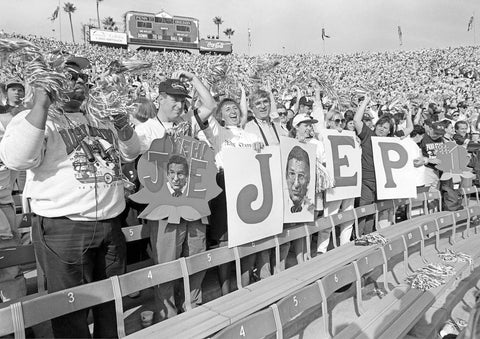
(161, 30)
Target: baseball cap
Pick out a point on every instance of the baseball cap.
(173, 87)
(77, 64)
(306, 102)
(299, 118)
(438, 128)
(13, 82)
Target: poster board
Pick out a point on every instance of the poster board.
(344, 163)
(298, 161)
(178, 178)
(393, 168)
(254, 195)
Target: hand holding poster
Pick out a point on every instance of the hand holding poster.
(178, 179)
(298, 161)
(344, 163)
(393, 168)
(254, 195)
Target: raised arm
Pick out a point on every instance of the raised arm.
(23, 143)
(357, 118)
(408, 116)
(208, 103)
(243, 106)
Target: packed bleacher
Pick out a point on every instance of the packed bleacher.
(82, 220)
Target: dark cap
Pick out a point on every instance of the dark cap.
(306, 102)
(366, 116)
(438, 128)
(77, 64)
(173, 87)
(13, 82)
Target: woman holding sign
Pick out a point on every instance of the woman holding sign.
(383, 128)
(226, 135)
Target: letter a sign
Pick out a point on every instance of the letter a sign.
(254, 194)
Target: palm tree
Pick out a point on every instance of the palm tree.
(109, 24)
(229, 32)
(98, 15)
(70, 8)
(218, 21)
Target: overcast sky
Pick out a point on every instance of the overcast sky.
(278, 26)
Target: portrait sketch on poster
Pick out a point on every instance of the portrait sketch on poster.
(178, 180)
(394, 168)
(254, 197)
(298, 180)
(343, 160)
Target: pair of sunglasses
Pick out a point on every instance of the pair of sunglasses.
(74, 76)
(337, 121)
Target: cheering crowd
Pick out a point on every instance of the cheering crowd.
(76, 165)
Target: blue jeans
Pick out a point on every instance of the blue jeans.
(73, 253)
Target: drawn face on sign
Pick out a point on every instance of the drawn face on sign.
(297, 175)
(177, 174)
(178, 179)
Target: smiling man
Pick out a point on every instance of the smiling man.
(171, 241)
(261, 125)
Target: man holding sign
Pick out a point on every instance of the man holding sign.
(170, 240)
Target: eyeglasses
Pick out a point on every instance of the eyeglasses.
(337, 121)
(74, 76)
(282, 113)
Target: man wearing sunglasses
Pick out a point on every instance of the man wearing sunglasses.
(282, 114)
(76, 189)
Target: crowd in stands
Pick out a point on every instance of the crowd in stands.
(431, 96)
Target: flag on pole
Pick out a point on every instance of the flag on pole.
(324, 35)
(400, 35)
(55, 14)
(249, 38)
(470, 24)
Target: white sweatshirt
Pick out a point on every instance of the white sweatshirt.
(64, 180)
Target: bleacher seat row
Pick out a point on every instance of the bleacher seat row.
(321, 275)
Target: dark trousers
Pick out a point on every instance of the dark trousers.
(73, 253)
(367, 197)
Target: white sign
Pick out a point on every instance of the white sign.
(299, 161)
(109, 37)
(394, 170)
(254, 195)
(344, 163)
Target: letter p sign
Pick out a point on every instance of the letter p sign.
(394, 156)
(394, 171)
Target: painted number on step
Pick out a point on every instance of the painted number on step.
(71, 297)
